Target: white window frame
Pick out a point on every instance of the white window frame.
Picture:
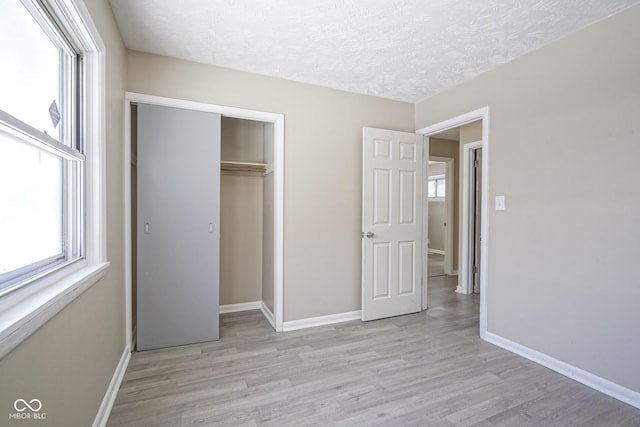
(26, 309)
(73, 229)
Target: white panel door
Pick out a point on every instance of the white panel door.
(392, 223)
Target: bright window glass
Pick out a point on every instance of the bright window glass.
(31, 214)
(440, 190)
(431, 185)
(436, 188)
(30, 75)
(41, 169)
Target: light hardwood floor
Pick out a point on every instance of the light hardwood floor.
(425, 369)
(435, 265)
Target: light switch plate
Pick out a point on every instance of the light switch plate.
(500, 203)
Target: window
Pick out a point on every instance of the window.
(52, 132)
(41, 164)
(436, 187)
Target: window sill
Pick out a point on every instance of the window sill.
(23, 312)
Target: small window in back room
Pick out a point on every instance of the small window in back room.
(436, 187)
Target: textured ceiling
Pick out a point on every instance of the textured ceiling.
(399, 49)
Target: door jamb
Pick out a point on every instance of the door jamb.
(463, 119)
(450, 180)
(425, 219)
(465, 284)
(240, 113)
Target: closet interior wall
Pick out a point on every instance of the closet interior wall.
(246, 214)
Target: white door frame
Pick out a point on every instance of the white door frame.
(472, 116)
(239, 113)
(450, 181)
(465, 284)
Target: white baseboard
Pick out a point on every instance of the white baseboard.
(244, 306)
(595, 382)
(112, 391)
(268, 314)
(311, 322)
(435, 251)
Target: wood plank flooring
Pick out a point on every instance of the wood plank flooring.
(435, 265)
(425, 369)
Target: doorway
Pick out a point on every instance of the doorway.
(481, 118)
(441, 187)
(274, 124)
(437, 223)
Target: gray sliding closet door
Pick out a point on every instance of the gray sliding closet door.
(178, 226)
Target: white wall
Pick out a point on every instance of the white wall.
(564, 147)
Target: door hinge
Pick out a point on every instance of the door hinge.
(475, 269)
(476, 163)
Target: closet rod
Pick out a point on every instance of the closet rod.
(243, 166)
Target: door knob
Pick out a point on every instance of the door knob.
(370, 234)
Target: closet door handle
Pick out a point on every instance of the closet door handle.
(370, 234)
(210, 227)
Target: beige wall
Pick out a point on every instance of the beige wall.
(436, 224)
(268, 241)
(323, 156)
(242, 140)
(240, 238)
(471, 132)
(447, 148)
(437, 169)
(268, 220)
(241, 213)
(436, 211)
(68, 363)
(561, 276)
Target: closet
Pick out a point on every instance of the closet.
(188, 263)
(246, 213)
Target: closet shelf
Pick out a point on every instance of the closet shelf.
(243, 166)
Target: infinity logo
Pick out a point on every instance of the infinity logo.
(21, 405)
